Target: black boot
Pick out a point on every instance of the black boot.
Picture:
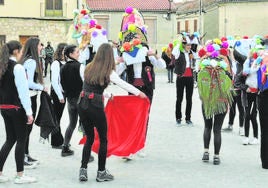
(66, 151)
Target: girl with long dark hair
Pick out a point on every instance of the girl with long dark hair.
(57, 93)
(33, 68)
(71, 76)
(15, 106)
(98, 74)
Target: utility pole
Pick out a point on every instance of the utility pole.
(200, 17)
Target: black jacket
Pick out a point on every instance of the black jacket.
(46, 117)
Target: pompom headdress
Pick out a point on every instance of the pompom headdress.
(87, 30)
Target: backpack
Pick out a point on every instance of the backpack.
(215, 90)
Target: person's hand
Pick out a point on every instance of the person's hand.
(62, 101)
(120, 59)
(142, 95)
(45, 89)
(29, 120)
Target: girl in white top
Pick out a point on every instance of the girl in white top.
(57, 93)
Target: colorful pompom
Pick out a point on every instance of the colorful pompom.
(98, 26)
(127, 46)
(224, 51)
(214, 54)
(129, 10)
(223, 39)
(131, 27)
(94, 34)
(224, 44)
(217, 41)
(202, 52)
(104, 32)
(210, 48)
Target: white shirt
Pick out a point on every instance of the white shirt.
(55, 78)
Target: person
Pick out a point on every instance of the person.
(49, 56)
(262, 104)
(57, 93)
(98, 74)
(238, 56)
(214, 85)
(43, 56)
(250, 69)
(183, 69)
(71, 76)
(33, 68)
(15, 107)
(238, 60)
(167, 57)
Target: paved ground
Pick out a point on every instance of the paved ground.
(173, 155)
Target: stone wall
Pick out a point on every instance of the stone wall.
(47, 30)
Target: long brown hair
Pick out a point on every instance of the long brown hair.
(6, 52)
(99, 70)
(30, 51)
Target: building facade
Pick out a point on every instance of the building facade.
(47, 19)
(217, 18)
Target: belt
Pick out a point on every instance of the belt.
(9, 106)
(90, 95)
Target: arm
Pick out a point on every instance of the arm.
(157, 62)
(124, 85)
(30, 66)
(23, 88)
(55, 74)
(81, 71)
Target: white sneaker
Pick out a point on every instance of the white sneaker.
(28, 165)
(24, 179)
(254, 141)
(3, 179)
(241, 131)
(246, 141)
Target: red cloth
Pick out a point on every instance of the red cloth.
(127, 118)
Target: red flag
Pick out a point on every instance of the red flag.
(127, 118)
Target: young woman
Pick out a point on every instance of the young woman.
(98, 74)
(57, 93)
(33, 68)
(71, 76)
(15, 106)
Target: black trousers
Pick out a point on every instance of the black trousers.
(237, 101)
(16, 132)
(47, 61)
(29, 128)
(251, 114)
(91, 117)
(188, 84)
(215, 123)
(263, 115)
(73, 117)
(56, 136)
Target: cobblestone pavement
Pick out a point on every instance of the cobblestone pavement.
(173, 154)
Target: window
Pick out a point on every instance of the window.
(178, 27)
(195, 25)
(54, 8)
(1, 2)
(103, 20)
(151, 31)
(187, 26)
(2, 40)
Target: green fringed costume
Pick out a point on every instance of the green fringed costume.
(215, 90)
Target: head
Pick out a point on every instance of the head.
(58, 55)
(99, 70)
(71, 52)
(48, 43)
(12, 48)
(31, 49)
